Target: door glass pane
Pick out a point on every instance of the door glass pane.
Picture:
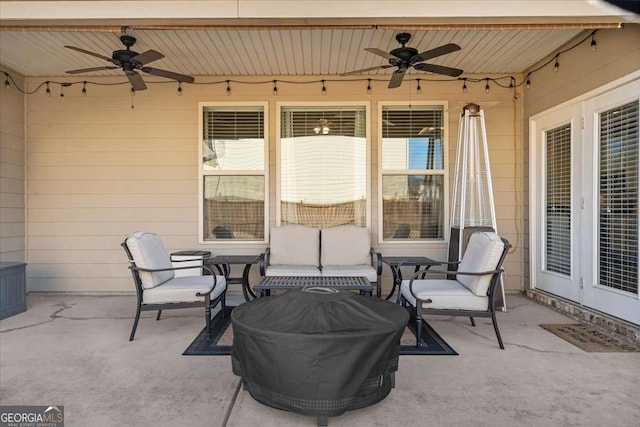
(558, 200)
(618, 222)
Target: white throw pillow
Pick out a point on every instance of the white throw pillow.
(294, 244)
(345, 245)
(148, 251)
(482, 254)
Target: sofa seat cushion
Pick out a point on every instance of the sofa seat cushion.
(148, 251)
(345, 245)
(292, 270)
(183, 289)
(294, 244)
(483, 253)
(351, 270)
(444, 294)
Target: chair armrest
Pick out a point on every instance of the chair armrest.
(263, 262)
(200, 294)
(427, 272)
(378, 261)
(221, 264)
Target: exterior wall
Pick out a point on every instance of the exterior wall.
(12, 171)
(99, 169)
(581, 70)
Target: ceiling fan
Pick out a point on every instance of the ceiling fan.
(130, 62)
(406, 57)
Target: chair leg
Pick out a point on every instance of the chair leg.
(473, 323)
(495, 327)
(223, 304)
(207, 315)
(159, 313)
(135, 324)
(418, 329)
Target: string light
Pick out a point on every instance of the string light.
(133, 92)
(464, 86)
(486, 87)
(84, 88)
(418, 88)
(324, 89)
(179, 88)
(556, 65)
(528, 83)
(511, 84)
(228, 88)
(47, 91)
(62, 86)
(369, 86)
(593, 41)
(6, 81)
(275, 87)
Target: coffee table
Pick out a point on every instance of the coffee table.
(268, 283)
(247, 260)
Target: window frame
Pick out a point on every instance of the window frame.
(445, 172)
(284, 104)
(203, 173)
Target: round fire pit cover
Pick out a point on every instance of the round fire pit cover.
(317, 351)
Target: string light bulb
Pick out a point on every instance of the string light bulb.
(84, 88)
(324, 89)
(228, 88)
(528, 82)
(133, 92)
(369, 86)
(179, 88)
(418, 88)
(275, 87)
(6, 81)
(593, 42)
(47, 91)
(486, 87)
(464, 86)
(511, 85)
(556, 65)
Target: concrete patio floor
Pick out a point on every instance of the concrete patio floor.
(72, 350)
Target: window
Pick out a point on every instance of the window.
(413, 172)
(323, 165)
(232, 173)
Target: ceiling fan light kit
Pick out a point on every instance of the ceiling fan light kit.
(131, 62)
(404, 58)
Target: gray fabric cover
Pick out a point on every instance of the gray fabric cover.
(317, 353)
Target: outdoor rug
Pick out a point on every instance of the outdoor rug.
(589, 338)
(222, 340)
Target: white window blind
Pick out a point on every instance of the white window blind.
(232, 173)
(323, 165)
(618, 225)
(412, 146)
(558, 200)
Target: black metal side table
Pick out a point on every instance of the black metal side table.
(247, 261)
(397, 262)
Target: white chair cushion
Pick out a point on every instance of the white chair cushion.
(295, 244)
(351, 270)
(345, 245)
(148, 251)
(444, 294)
(183, 289)
(292, 270)
(482, 254)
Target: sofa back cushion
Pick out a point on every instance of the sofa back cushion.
(346, 245)
(294, 244)
(483, 253)
(148, 251)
